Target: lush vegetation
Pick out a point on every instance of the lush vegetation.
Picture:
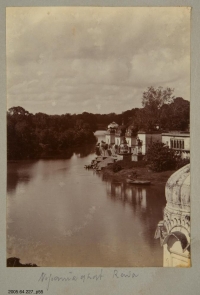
(160, 108)
(161, 158)
(116, 167)
(40, 136)
(126, 165)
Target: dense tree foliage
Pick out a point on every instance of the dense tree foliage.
(169, 114)
(175, 116)
(155, 98)
(36, 136)
(103, 120)
(161, 157)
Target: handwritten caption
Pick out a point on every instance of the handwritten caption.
(48, 279)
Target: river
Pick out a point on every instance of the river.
(59, 214)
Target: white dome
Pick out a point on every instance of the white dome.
(113, 125)
(177, 190)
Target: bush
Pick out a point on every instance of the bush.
(161, 158)
(182, 162)
(116, 167)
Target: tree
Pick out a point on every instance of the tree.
(175, 116)
(180, 110)
(18, 111)
(161, 157)
(153, 99)
(33, 136)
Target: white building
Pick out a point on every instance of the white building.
(119, 134)
(131, 136)
(139, 142)
(179, 142)
(110, 133)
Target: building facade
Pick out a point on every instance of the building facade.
(131, 136)
(110, 133)
(179, 142)
(139, 142)
(119, 134)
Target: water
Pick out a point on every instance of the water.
(59, 214)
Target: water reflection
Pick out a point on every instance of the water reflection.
(144, 202)
(136, 196)
(19, 173)
(85, 150)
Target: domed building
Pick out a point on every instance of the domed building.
(119, 134)
(113, 126)
(174, 230)
(110, 133)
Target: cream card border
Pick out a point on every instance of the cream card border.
(149, 281)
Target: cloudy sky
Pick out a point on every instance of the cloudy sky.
(100, 60)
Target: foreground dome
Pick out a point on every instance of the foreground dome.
(174, 229)
(177, 190)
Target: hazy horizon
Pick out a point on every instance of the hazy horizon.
(94, 59)
(95, 113)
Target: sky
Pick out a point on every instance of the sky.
(94, 59)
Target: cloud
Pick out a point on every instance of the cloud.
(63, 59)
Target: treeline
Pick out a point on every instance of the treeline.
(168, 116)
(42, 136)
(38, 136)
(168, 113)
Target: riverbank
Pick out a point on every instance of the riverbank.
(135, 170)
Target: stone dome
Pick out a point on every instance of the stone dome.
(174, 229)
(177, 190)
(113, 125)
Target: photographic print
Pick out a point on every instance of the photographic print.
(98, 136)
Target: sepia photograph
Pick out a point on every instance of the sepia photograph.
(98, 137)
